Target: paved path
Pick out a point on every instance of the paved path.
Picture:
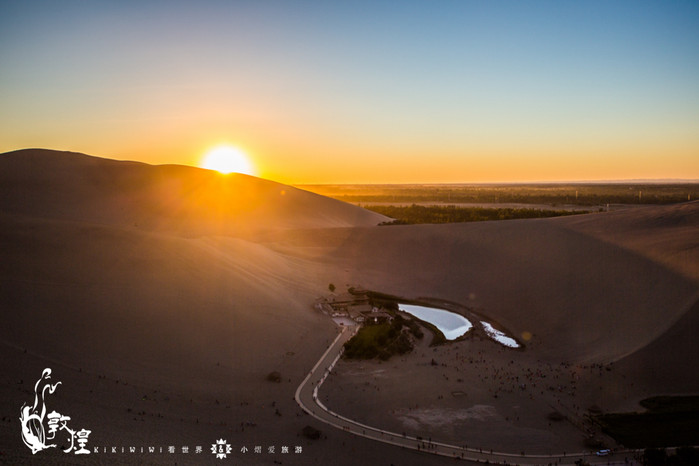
(307, 397)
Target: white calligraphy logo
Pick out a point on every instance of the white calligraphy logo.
(32, 419)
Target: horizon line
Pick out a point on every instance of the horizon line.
(484, 183)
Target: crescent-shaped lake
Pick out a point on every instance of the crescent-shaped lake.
(452, 325)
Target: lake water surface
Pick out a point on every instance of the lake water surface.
(498, 336)
(452, 325)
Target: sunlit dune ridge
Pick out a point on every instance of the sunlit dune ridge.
(73, 186)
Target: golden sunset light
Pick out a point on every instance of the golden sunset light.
(227, 159)
(362, 232)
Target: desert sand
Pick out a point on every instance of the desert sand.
(162, 297)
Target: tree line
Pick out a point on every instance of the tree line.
(415, 214)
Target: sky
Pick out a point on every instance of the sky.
(361, 91)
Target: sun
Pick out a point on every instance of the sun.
(227, 159)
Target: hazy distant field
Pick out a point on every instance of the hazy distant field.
(542, 195)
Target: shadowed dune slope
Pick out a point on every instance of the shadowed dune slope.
(84, 294)
(669, 363)
(185, 200)
(141, 274)
(666, 234)
(153, 268)
(158, 339)
(582, 297)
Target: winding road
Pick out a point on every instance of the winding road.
(307, 397)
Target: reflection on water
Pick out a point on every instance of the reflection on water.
(498, 336)
(450, 324)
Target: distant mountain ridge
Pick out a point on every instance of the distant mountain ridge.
(175, 198)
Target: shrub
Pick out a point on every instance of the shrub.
(381, 340)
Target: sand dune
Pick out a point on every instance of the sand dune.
(666, 364)
(184, 200)
(666, 234)
(572, 291)
(157, 339)
(133, 280)
(107, 275)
